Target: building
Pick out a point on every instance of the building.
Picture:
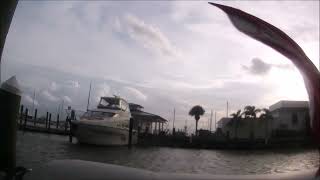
(223, 122)
(290, 115)
(146, 122)
(244, 128)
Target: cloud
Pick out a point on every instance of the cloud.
(102, 90)
(30, 100)
(259, 67)
(47, 95)
(149, 36)
(53, 86)
(73, 84)
(134, 93)
(67, 99)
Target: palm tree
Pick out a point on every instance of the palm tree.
(250, 112)
(235, 120)
(196, 111)
(266, 116)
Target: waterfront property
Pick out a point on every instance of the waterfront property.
(290, 115)
(288, 119)
(146, 122)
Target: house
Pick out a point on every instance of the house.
(146, 122)
(223, 122)
(289, 118)
(290, 115)
(244, 128)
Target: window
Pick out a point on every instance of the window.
(97, 115)
(294, 119)
(124, 105)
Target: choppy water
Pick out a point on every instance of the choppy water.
(34, 149)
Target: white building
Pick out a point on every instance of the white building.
(290, 115)
(223, 122)
(287, 115)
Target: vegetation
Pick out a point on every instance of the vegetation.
(235, 121)
(266, 116)
(250, 112)
(196, 111)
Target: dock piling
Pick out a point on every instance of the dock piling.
(130, 132)
(47, 116)
(21, 116)
(57, 125)
(35, 117)
(25, 118)
(49, 122)
(9, 108)
(68, 121)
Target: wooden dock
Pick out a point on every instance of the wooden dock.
(32, 123)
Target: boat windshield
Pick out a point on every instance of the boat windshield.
(109, 103)
(97, 114)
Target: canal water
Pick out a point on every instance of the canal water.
(35, 149)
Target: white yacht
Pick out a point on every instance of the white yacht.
(107, 125)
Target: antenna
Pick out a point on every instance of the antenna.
(34, 95)
(62, 107)
(89, 97)
(174, 117)
(215, 120)
(210, 120)
(227, 109)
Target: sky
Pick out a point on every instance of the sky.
(163, 55)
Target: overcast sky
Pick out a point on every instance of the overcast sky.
(162, 55)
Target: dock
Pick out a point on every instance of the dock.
(47, 125)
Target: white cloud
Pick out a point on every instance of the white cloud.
(73, 84)
(67, 99)
(47, 95)
(53, 86)
(150, 36)
(102, 90)
(259, 67)
(30, 100)
(134, 93)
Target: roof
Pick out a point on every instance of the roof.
(223, 121)
(134, 107)
(145, 116)
(289, 104)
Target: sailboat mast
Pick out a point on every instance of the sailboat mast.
(174, 117)
(210, 120)
(89, 97)
(34, 95)
(215, 121)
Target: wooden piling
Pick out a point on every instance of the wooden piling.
(70, 132)
(9, 109)
(49, 122)
(66, 125)
(35, 117)
(21, 116)
(47, 116)
(25, 119)
(130, 132)
(57, 125)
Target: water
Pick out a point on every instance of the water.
(34, 149)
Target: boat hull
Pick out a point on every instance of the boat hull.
(102, 135)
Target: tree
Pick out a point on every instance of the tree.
(196, 111)
(235, 121)
(250, 112)
(266, 116)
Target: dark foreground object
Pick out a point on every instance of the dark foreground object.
(78, 169)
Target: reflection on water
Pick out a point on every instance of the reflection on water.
(34, 149)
